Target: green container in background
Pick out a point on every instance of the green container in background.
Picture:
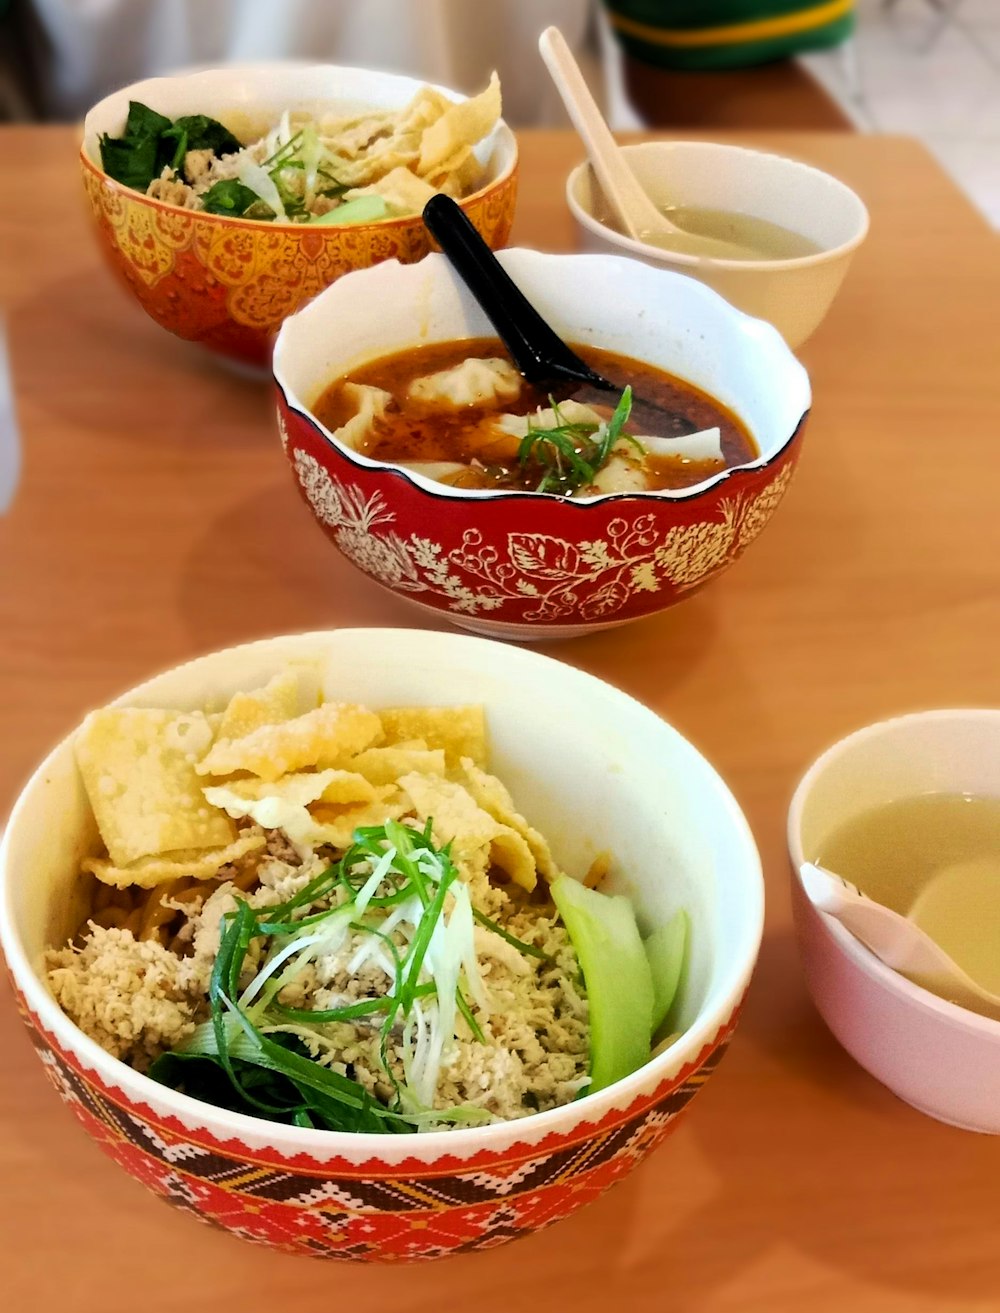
(716, 34)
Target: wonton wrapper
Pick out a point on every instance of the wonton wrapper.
(570, 412)
(475, 382)
(385, 155)
(491, 794)
(336, 825)
(426, 107)
(457, 819)
(387, 765)
(320, 738)
(196, 864)
(287, 811)
(299, 790)
(414, 152)
(460, 126)
(371, 404)
(399, 187)
(462, 180)
(622, 472)
(460, 731)
(280, 699)
(349, 786)
(138, 767)
(352, 136)
(284, 804)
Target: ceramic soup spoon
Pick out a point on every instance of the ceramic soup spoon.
(896, 940)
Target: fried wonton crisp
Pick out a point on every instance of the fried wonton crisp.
(386, 765)
(279, 700)
(491, 794)
(293, 802)
(400, 187)
(138, 767)
(447, 142)
(195, 864)
(458, 731)
(474, 834)
(319, 738)
(336, 825)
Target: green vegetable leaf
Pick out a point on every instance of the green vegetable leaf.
(130, 162)
(143, 121)
(138, 156)
(204, 133)
(229, 197)
(363, 209)
(151, 142)
(666, 950)
(617, 975)
(178, 135)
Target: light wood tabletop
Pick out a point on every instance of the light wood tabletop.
(155, 519)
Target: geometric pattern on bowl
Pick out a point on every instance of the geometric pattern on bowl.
(336, 1209)
(395, 1196)
(228, 283)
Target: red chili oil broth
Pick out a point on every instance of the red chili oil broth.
(412, 430)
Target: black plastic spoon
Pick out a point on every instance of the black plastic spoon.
(539, 353)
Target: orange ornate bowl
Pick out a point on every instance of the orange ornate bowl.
(404, 1197)
(521, 565)
(228, 283)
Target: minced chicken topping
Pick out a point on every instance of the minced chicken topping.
(137, 998)
(311, 910)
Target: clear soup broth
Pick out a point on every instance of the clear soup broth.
(936, 859)
(721, 234)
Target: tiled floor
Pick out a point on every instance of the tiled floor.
(931, 70)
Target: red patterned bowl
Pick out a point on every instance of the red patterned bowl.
(523, 565)
(420, 1196)
(228, 283)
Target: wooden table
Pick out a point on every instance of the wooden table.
(155, 520)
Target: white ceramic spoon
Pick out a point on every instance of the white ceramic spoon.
(637, 215)
(896, 940)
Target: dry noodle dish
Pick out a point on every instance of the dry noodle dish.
(335, 917)
(375, 165)
(460, 413)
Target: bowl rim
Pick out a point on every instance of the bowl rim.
(703, 262)
(850, 947)
(504, 136)
(223, 1124)
(445, 492)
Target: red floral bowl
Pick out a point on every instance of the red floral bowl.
(401, 1197)
(524, 565)
(228, 283)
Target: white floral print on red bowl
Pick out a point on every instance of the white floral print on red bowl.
(524, 565)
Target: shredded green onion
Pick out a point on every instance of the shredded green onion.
(571, 454)
(395, 886)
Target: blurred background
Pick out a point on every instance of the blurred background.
(927, 68)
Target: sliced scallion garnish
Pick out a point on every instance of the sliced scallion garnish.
(396, 886)
(571, 453)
